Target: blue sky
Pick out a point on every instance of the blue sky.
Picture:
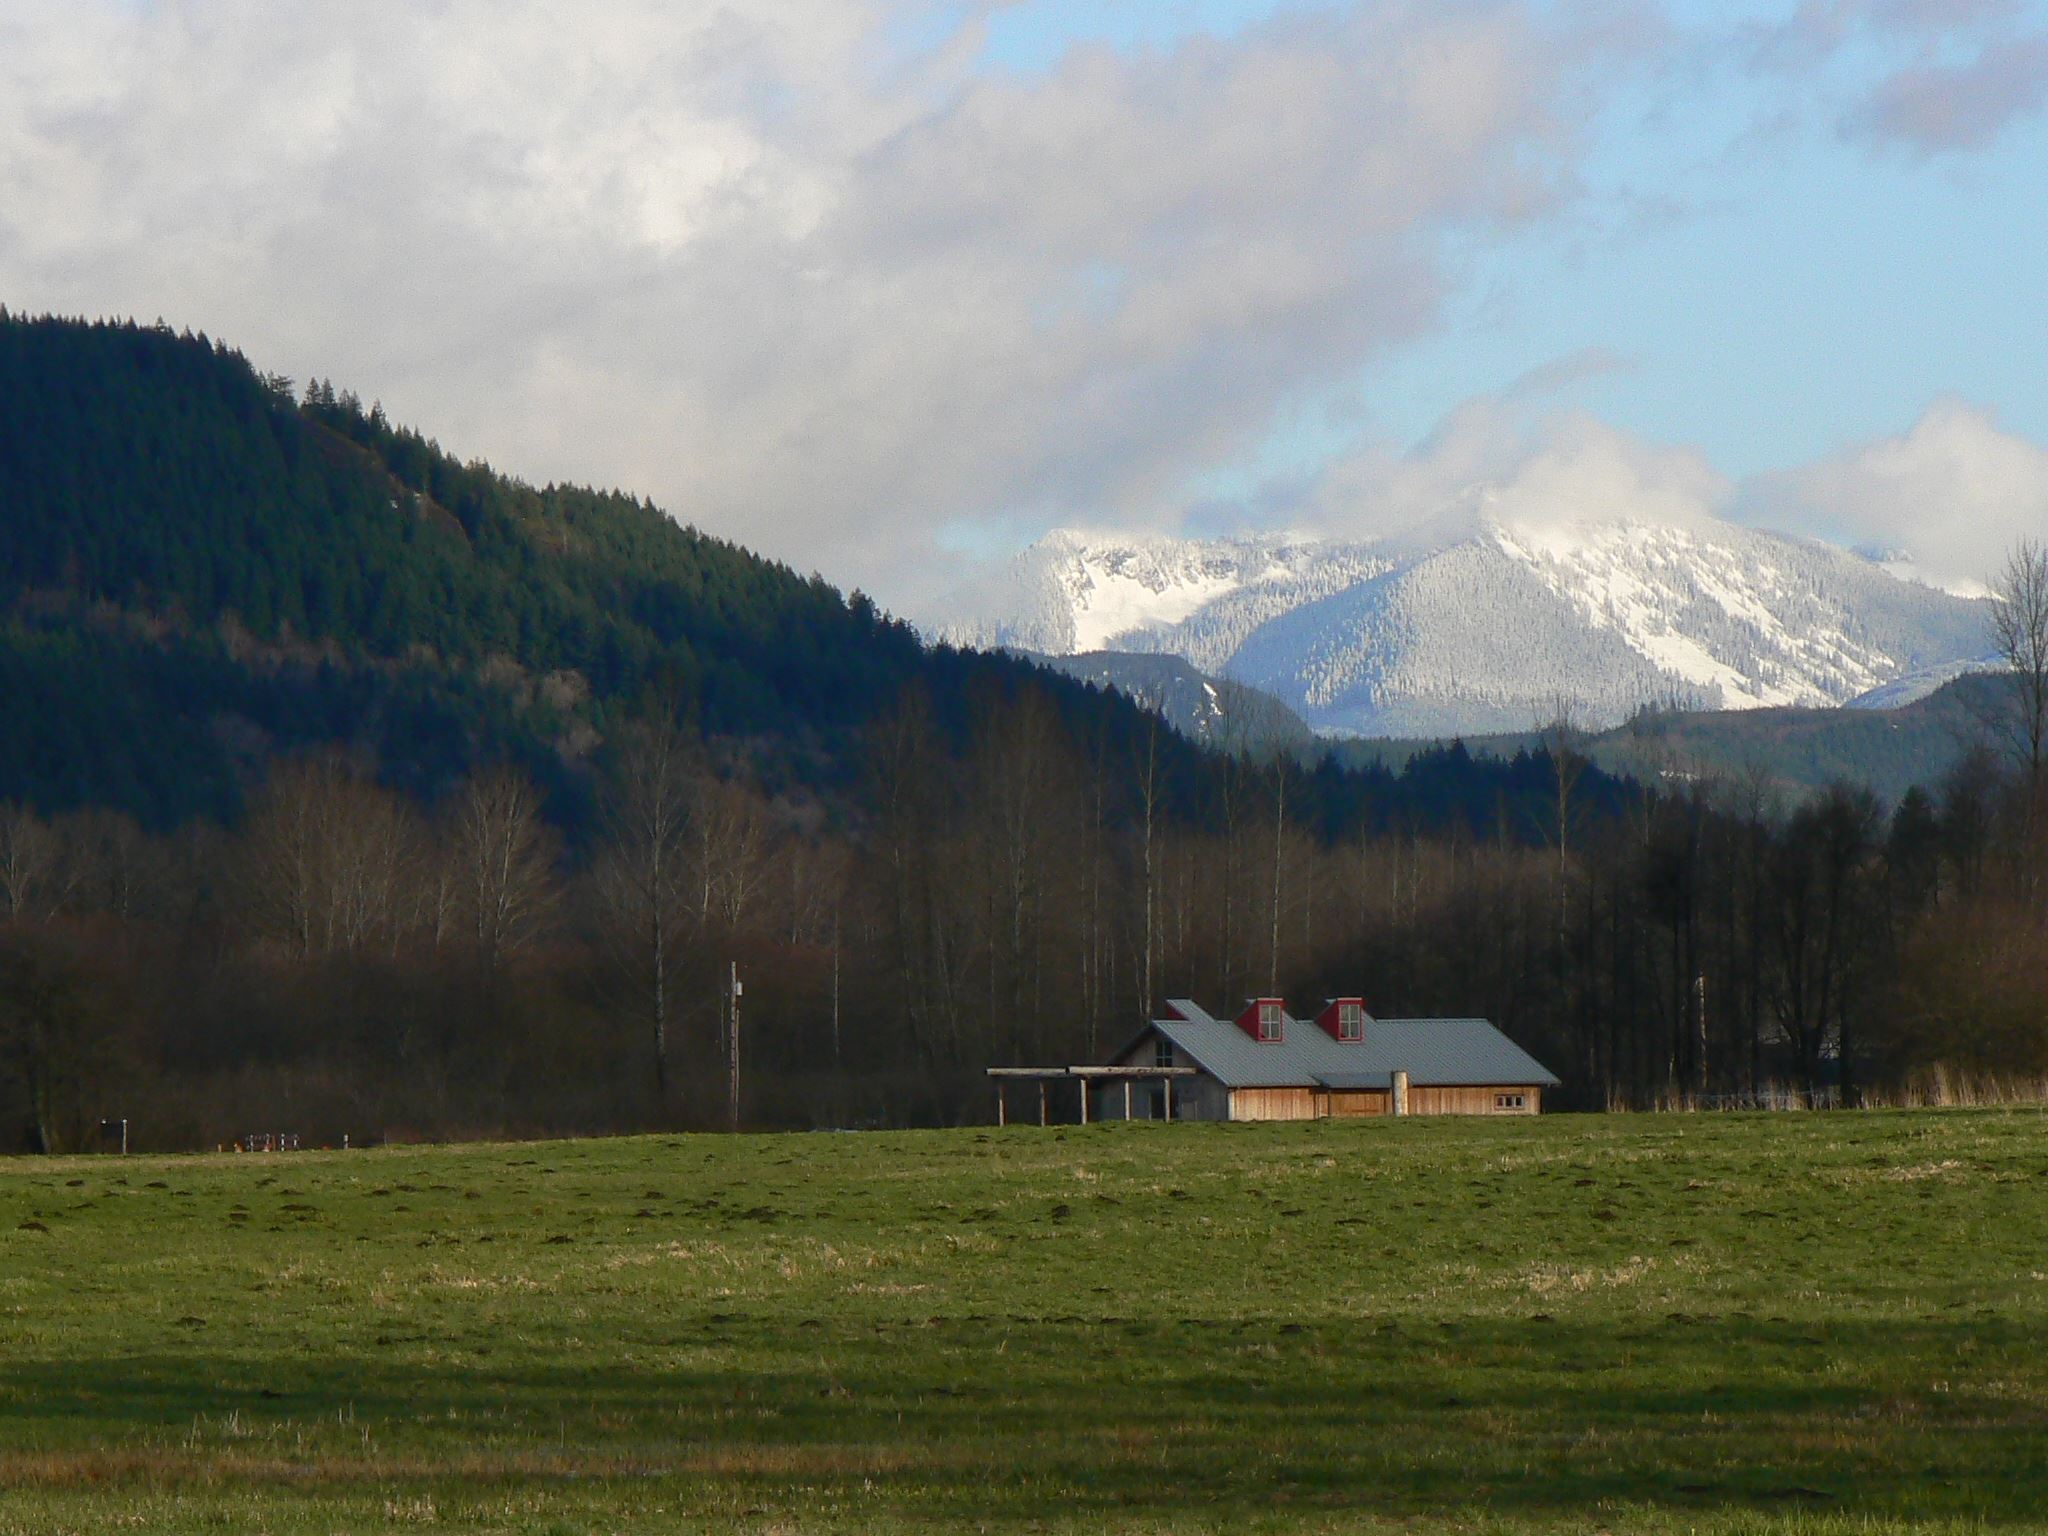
(888, 287)
(1764, 283)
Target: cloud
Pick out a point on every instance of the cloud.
(1954, 492)
(1567, 372)
(1958, 72)
(810, 285)
(1816, 29)
(1514, 458)
(1941, 108)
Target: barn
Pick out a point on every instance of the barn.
(1266, 1064)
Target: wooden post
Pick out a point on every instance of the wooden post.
(733, 1040)
(1002, 1110)
(1169, 1096)
(1041, 1101)
(1400, 1094)
(1084, 1099)
(1127, 1098)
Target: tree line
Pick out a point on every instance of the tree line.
(350, 959)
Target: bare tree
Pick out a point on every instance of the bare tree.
(119, 869)
(2019, 625)
(1146, 790)
(643, 873)
(1281, 768)
(507, 859)
(325, 858)
(33, 878)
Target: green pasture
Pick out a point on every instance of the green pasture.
(1819, 1323)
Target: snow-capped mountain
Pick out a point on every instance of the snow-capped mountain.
(1482, 622)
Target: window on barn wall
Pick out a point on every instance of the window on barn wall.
(1510, 1101)
(1269, 1021)
(1162, 1052)
(1351, 1021)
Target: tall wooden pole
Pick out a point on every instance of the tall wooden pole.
(733, 1049)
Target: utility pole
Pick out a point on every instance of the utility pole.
(733, 1048)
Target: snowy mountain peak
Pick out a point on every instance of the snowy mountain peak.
(1486, 620)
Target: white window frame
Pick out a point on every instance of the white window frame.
(1351, 1022)
(1510, 1101)
(1271, 1016)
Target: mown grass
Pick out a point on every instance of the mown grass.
(1667, 1323)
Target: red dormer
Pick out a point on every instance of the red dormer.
(1264, 1019)
(1343, 1019)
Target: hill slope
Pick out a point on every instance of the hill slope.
(1211, 710)
(199, 571)
(1797, 751)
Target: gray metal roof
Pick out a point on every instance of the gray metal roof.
(1433, 1052)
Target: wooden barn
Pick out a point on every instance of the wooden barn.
(1267, 1065)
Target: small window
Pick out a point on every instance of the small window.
(1351, 1021)
(1162, 1052)
(1269, 1021)
(1510, 1101)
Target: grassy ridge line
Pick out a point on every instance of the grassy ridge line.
(1643, 1323)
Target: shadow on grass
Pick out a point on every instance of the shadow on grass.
(1525, 1418)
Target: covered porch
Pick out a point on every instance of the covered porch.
(1091, 1080)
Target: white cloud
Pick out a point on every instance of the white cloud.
(1954, 492)
(1951, 493)
(808, 287)
(1532, 467)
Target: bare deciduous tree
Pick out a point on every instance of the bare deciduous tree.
(508, 856)
(2019, 625)
(326, 857)
(643, 874)
(33, 877)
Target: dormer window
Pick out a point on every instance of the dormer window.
(1351, 1021)
(1269, 1021)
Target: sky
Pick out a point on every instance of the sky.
(885, 289)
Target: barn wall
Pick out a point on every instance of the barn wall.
(1200, 1098)
(1273, 1104)
(1342, 1104)
(1471, 1101)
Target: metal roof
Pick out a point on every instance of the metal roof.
(1433, 1052)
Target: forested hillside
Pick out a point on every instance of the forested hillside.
(345, 786)
(1795, 753)
(198, 571)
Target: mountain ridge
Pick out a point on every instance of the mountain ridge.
(1475, 621)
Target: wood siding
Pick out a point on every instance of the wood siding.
(1346, 1103)
(1273, 1103)
(1473, 1101)
(1318, 1103)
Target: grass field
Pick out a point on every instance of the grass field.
(1651, 1323)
